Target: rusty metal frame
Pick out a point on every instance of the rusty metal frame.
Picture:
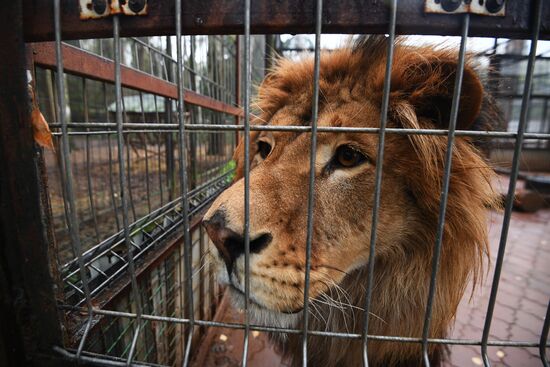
(27, 244)
(28, 312)
(285, 16)
(82, 63)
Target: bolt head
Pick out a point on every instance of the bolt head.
(136, 5)
(99, 6)
(450, 5)
(494, 6)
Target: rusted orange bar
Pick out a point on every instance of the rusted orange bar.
(88, 65)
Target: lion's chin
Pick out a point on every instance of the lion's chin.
(263, 316)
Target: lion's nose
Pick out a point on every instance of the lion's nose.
(229, 243)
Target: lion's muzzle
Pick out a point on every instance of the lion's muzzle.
(229, 243)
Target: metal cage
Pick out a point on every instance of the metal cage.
(99, 265)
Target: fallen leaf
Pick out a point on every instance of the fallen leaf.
(41, 130)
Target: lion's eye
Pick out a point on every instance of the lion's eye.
(264, 149)
(347, 157)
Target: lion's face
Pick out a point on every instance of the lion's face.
(351, 85)
(344, 186)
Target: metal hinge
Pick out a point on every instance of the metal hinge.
(495, 8)
(93, 9)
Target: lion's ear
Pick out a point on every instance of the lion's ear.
(238, 155)
(426, 83)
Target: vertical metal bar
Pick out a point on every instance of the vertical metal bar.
(537, 16)
(159, 157)
(237, 82)
(58, 152)
(169, 141)
(123, 186)
(66, 153)
(29, 316)
(545, 124)
(183, 184)
(311, 190)
(544, 337)
(128, 159)
(136, 52)
(378, 175)
(193, 110)
(110, 150)
(146, 155)
(88, 167)
(248, 82)
(445, 188)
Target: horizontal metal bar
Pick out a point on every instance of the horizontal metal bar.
(322, 129)
(284, 16)
(174, 226)
(98, 359)
(83, 63)
(168, 231)
(114, 240)
(185, 67)
(230, 325)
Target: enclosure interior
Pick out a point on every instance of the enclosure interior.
(215, 85)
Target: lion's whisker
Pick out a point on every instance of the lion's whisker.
(346, 295)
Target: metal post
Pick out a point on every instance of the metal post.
(537, 16)
(246, 234)
(445, 188)
(184, 185)
(378, 174)
(311, 189)
(124, 189)
(23, 237)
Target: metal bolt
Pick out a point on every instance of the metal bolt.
(99, 6)
(136, 5)
(450, 5)
(494, 6)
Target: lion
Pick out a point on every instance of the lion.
(351, 84)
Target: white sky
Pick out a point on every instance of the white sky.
(475, 44)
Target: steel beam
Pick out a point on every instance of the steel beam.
(283, 16)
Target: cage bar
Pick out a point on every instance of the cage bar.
(378, 174)
(543, 344)
(246, 122)
(537, 17)
(184, 184)
(312, 172)
(68, 180)
(332, 334)
(445, 188)
(125, 190)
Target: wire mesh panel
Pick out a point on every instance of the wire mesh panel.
(125, 158)
(144, 131)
